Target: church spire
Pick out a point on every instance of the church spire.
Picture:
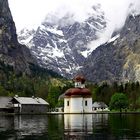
(79, 82)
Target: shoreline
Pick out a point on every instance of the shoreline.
(62, 113)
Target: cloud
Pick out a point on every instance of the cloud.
(30, 13)
(116, 13)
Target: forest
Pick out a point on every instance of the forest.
(104, 92)
(49, 86)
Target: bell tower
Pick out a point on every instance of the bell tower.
(79, 82)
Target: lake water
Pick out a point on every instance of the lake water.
(70, 127)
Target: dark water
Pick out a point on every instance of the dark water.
(70, 127)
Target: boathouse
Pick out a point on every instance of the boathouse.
(78, 99)
(5, 104)
(29, 105)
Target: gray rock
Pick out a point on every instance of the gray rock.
(11, 52)
(118, 60)
(59, 45)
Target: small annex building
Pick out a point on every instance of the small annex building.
(78, 99)
(99, 106)
(29, 105)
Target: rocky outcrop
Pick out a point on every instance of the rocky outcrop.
(11, 52)
(118, 60)
(60, 44)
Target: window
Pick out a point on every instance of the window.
(85, 103)
(78, 84)
(67, 103)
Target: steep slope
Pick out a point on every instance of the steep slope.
(11, 52)
(118, 60)
(61, 44)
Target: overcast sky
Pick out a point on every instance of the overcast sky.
(30, 13)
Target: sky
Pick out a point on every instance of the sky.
(30, 13)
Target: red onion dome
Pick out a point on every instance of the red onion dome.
(79, 79)
(78, 91)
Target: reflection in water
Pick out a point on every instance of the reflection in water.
(6, 123)
(20, 127)
(30, 125)
(81, 126)
(70, 127)
(76, 124)
(99, 118)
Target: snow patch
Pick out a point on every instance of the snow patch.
(93, 26)
(62, 40)
(26, 41)
(57, 52)
(86, 53)
(113, 38)
(55, 31)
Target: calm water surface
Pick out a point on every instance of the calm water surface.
(70, 127)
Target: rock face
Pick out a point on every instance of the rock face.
(11, 52)
(118, 60)
(61, 44)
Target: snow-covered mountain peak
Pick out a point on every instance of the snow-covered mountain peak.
(63, 17)
(61, 44)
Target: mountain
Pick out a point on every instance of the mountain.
(118, 59)
(60, 44)
(12, 54)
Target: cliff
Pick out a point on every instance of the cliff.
(11, 52)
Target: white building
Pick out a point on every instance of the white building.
(99, 106)
(78, 99)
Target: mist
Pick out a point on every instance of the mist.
(116, 13)
(30, 13)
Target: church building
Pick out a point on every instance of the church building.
(78, 99)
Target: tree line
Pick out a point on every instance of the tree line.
(104, 92)
(49, 86)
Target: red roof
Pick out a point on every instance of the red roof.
(78, 91)
(79, 79)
